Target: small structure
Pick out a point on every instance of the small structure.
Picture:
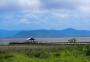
(72, 40)
(28, 41)
(31, 40)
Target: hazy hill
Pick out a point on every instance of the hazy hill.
(45, 33)
(54, 33)
(7, 33)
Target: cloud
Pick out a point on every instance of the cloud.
(29, 4)
(24, 21)
(82, 6)
(52, 14)
(42, 5)
(20, 5)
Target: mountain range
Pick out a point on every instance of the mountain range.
(44, 33)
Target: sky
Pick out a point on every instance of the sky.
(44, 14)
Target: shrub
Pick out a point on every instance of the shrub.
(88, 53)
(38, 54)
(57, 55)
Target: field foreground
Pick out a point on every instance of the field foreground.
(45, 53)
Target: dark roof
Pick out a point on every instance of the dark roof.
(31, 39)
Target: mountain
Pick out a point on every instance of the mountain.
(44, 33)
(54, 33)
(7, 33)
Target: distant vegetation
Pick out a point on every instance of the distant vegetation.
(62, 53)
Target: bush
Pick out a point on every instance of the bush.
(88, 53)
(57, 55)
(6, 56)
(38, 54)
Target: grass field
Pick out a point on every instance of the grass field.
(48, 53)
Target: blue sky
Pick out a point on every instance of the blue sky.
(44, 14)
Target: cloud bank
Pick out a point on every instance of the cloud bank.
(44, 14)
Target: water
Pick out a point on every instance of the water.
(65, 39)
